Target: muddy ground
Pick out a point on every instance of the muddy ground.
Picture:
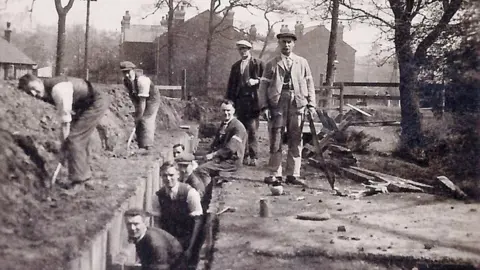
(385, 231)
(41, 233)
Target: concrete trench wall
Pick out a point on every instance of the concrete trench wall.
(109, 249)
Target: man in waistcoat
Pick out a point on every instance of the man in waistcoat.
(156, 248)
(286, 91)
(228, 147)
(80, 108)
(242, 90)
(146, 101)
(181, 212)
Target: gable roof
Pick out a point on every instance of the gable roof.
(11, 54)
(143, 33)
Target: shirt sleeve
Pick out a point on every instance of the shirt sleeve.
(143, 83)
(62, 95)
(194, 203)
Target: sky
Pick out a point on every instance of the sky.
(107, 15)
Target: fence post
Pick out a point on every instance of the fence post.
(185, 94)
(342, 87)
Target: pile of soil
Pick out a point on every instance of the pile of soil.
(39, 233)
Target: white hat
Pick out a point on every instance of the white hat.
(244, 43)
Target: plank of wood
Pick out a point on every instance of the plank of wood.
(376, 123)
(357, 176)
(168, 87)
(359, 110)
(451, 186)
(391, 177)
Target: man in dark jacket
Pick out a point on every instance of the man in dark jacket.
(156, 248)
(146, 101)
(228, 147)
(242, 89)
(80, 108)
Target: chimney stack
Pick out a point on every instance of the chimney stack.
(299, 29)
(8, 32)
(179, 15)
(253, 33)
(164, 22)
(340, 31)
(126, 20)
(284, 29)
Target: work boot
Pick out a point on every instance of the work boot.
(273, 180)
(253, 162)
(292, 180)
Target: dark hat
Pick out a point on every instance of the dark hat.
(127, 65)
(185, 158)
(287, 35)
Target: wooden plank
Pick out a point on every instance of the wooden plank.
(168, 87)
(359, 110)
(368, 97)
(390, 177)
(367, 84)
(376, 123)
(457, 192)
(357, 176)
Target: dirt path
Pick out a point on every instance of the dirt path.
(403, 228)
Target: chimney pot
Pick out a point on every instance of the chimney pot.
(8, 32)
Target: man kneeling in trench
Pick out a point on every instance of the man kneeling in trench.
(181, 212)
(156, 248)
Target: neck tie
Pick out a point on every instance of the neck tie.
(289, 62)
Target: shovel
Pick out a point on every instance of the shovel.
(55, 174)
(131, 138)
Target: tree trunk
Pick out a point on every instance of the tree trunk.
(410, 123)
(265, 44)
(208, 50)
(332, 50)
(170, 43)
(62, 19)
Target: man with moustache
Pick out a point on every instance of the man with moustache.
(286, 92)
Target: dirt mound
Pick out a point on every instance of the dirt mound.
(29, 132)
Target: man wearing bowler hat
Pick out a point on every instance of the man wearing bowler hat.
(286, 92)
(146, 101)
(242, 89)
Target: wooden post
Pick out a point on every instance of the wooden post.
(185, 95)
(342, 87)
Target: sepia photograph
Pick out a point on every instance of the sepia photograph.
(240, 134)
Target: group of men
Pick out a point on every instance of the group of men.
(281, 90)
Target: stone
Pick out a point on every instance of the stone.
(341, 228)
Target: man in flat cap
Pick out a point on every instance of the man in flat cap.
(187, 173)
(242, 89)
(146, 101)
(286, 92)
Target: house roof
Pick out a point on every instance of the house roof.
(11, 54)
(143, 33)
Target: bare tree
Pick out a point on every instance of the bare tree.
(270, 8)
(215, 26)
(332, 43)
(172, 5)
(61, 35)
(414, 26)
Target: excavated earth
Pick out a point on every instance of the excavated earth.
(43, 228)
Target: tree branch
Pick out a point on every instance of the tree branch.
(428, 41)
(367, 14)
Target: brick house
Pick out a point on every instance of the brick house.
(312, 44)
(189, 49)
(137, 43)
(13, 62)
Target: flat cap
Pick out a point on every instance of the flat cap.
(185, 158)
(244, 43)
(127, 65)
(287, 35)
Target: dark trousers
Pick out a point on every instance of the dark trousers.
(251, 125)
(214, 167)
(83, 124)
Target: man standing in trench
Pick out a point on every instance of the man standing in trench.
(146, 101)
(286, 91)
(242, 90)
(181, 212)
(80, 108)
